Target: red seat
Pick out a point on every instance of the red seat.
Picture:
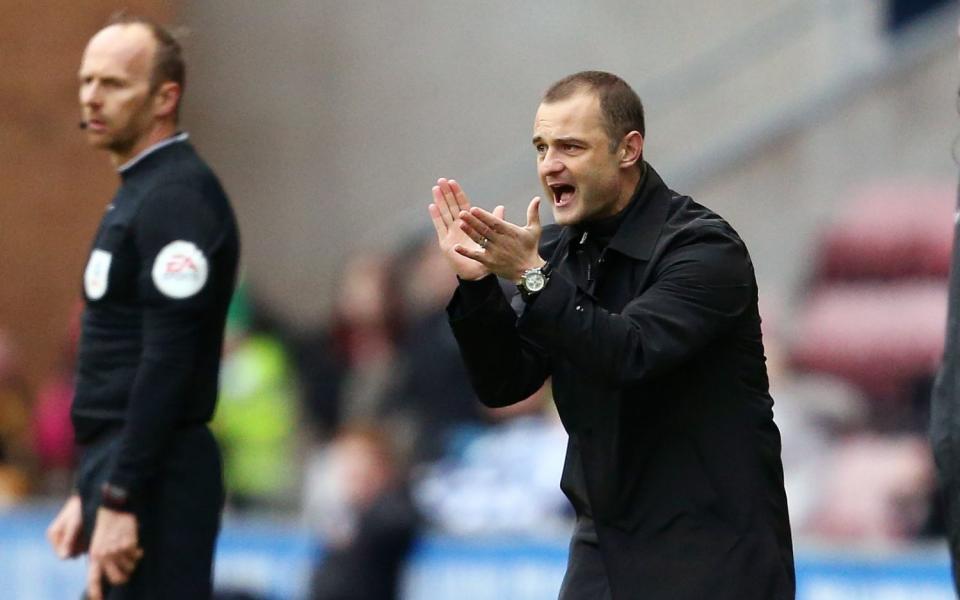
(879, 336)
(890, 230)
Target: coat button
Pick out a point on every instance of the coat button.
(579, 308)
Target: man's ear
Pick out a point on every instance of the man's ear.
(631, 149)
(166, 99)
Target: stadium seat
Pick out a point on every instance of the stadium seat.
(879, 336)
(888, 231)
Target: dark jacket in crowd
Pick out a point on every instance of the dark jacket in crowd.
(368, 567)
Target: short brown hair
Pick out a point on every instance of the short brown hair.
(168, 63)
(621, 107)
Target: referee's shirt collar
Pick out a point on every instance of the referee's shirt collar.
(180, 137)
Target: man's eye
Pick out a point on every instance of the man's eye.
(541, 148)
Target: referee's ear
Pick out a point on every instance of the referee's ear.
(166, 99)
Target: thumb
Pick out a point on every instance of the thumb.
(499, 212)
(533, 213)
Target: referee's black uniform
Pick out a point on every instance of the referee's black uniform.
(157, 285)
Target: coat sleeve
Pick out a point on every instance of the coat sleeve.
(176, 236)
(701, 287)
(504, 368)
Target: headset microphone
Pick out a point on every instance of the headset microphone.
(84, 124)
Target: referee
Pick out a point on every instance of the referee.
(158, 280)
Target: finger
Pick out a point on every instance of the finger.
(65, 546)
(60, 539)
(94, 585)
(54, 535)
(533, 213)
(449, 198)
(115, 574)
(437, 220)
(440, 201)
(495, 224)
(475, 224)
(463, 202)
(476, 255)
(126, 563)
(71, 541)
(474, 235)
(500, 212)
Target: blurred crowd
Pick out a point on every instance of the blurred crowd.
(369, 430)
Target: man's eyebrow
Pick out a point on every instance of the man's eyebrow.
(563, 140)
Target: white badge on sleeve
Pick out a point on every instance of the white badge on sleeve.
(180, 269)
(97, 274)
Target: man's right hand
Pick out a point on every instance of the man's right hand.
(64, 533)
(448, 200)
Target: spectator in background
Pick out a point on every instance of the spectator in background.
(345, 369)
(256, 413)
(814, 412)
(504, 479)
(53, 432)
(876, 489)
(366, 517)
(430, 400)
(15, 450)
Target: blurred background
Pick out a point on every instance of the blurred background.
(357, 457)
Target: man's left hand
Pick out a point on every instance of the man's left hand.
(505, 249)
(114, 550)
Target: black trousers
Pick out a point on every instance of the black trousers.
(586, 576)
(178, 515)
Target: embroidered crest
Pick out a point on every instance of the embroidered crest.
(96, 277)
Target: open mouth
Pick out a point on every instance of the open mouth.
(562, 193)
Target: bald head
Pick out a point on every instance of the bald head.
(127, 103)
(126, 50)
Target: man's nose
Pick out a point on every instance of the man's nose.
(550, 164)
(90, 94)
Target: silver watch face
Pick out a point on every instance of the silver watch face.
(534, 281)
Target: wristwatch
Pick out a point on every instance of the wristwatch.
(114, 497)
(533, 280)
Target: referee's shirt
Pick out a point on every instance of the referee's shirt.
(157, 284)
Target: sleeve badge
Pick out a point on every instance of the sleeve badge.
(180, 270)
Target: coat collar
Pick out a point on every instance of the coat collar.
(646, 213)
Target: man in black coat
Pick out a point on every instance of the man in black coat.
(945, 411)
(642, 307)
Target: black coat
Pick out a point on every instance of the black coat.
(945, 411)
(660, 380)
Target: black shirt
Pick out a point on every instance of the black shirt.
(157, 286)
